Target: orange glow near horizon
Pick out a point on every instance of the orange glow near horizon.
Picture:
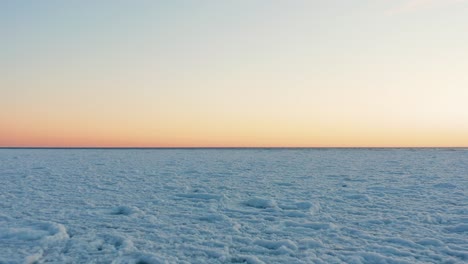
(99, 134)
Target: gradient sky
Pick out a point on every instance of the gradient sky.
(327, 73)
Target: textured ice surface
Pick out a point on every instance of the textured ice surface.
(234, 206)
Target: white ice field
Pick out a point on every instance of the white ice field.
(234, 206)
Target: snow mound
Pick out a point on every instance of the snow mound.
(310, 225)
(30, 240)
(34, 231)
(200, 196)
(126, 210)
(246, 259)
(461, 228)
(445, 185)
(139, 258)
(260, 203)
(276, 244)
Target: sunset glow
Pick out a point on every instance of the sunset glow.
(234, 74)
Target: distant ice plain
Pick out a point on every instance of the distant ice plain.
(234, 206)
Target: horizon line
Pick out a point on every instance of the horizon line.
(276, 147)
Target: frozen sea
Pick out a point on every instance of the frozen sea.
(233, 206)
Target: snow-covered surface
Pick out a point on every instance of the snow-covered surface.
(234, 206)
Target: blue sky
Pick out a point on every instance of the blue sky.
(248, 73)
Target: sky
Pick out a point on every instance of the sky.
(246, 73)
